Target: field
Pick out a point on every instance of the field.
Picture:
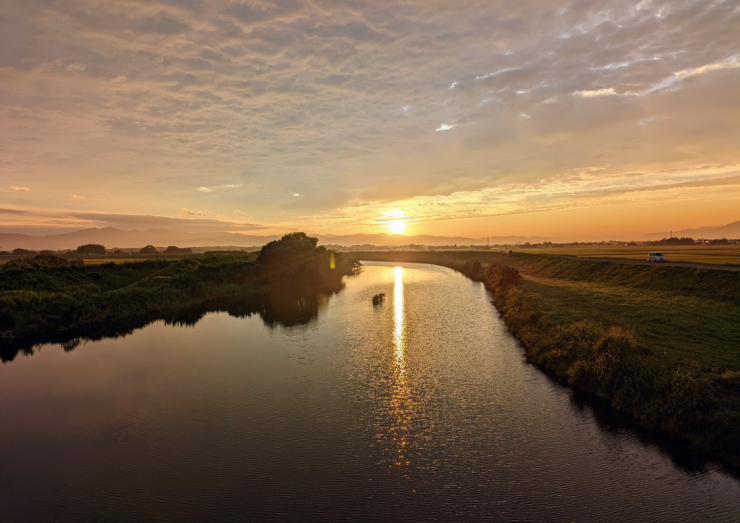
(115, 258)
(714, 254)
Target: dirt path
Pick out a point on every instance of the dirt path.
(645, 262)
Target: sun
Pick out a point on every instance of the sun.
(397, 226)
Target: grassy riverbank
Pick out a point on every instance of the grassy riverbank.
(661, 343)
(50, 294)
(712, 254)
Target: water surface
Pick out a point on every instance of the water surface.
(419, 409)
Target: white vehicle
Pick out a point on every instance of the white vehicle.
(656, 257)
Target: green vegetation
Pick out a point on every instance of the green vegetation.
(48, 294)
(661, 343)
(714, 254)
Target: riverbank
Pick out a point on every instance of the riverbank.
(721, 255)
(660, 343)
(52, 295)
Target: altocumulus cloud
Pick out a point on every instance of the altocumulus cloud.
(269, 95)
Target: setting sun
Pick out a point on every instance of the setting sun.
(397, 226)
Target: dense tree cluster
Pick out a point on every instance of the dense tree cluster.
(90, 248)
(177, 250)
(296, 257)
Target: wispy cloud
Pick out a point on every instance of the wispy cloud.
(243, 215)
(214, 187)
(76, 197)
(733, 62)
(189, 212)
(20, 189)
(600, 92)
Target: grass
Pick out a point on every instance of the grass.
(661, 343)
(681, 330)
(712, 254)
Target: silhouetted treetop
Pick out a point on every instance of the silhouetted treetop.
(90, 248)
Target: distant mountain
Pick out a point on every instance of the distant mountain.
(731, 230)
(117, 238)
(395, 240)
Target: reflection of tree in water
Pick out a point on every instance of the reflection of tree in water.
(290, 308)
(279, 306)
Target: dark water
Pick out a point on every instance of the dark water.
(420, 409)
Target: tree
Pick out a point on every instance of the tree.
(177, 250)
(23, 251)
(90, 248)
(295, 260)
(149, 249)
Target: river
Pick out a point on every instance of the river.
(417, 409)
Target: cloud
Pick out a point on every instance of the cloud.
(161, 24)
(244, 100)
(733, 62)
(214, 187)
(243, 215)
(77, 197)
(187, 211)
(600, 92)
(126, 221)
(20, 189)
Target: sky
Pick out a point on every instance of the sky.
(556, 118)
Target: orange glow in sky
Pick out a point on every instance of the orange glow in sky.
(557, 119)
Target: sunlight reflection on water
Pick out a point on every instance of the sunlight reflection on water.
(401, 404)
